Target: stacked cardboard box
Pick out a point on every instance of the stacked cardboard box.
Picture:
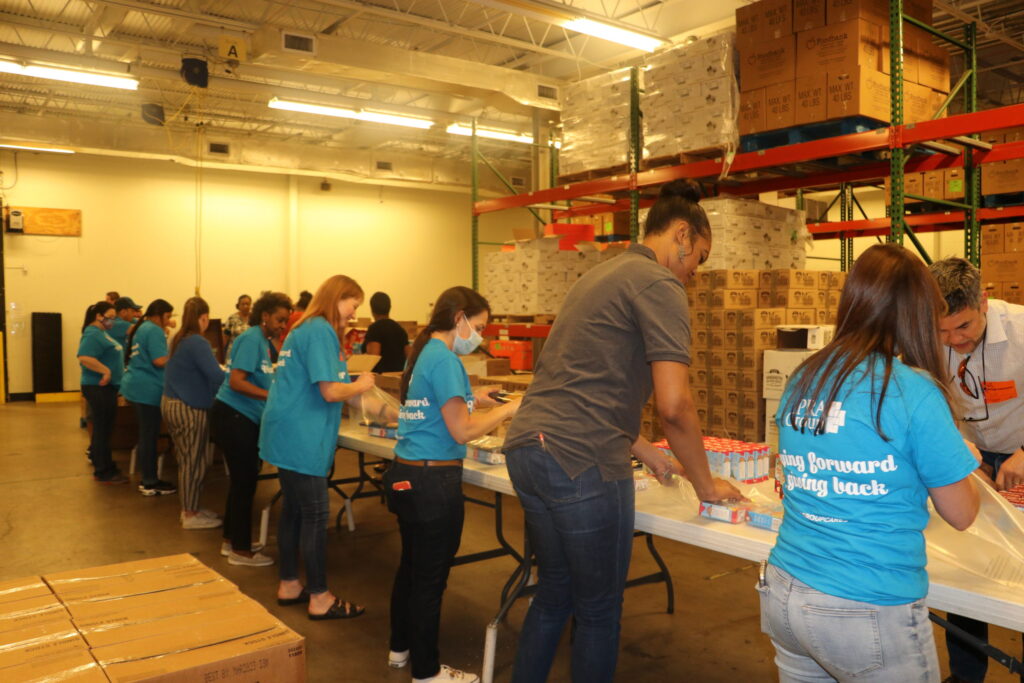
(779, 365)
(1003, 176)
(691, 99)
(748, 234)
(160, 619)
(595, 123)
(1002, 261)
(804, 61)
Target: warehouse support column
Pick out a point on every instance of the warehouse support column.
(972, 174)
(292, 264)
(635, 152)
(474, 227)
(896, 184)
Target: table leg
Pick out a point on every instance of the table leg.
(1014, 666)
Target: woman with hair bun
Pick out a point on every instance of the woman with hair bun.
(623, 330)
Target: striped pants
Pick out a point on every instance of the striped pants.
(190, 431)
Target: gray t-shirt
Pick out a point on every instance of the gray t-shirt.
(594, 374)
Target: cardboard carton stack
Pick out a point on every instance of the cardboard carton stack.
(1002, 176)
(1002, 261)
(748, 234)
(160, 619)
(595, 123)
(734, 315)
(691, 99)
(805, 61)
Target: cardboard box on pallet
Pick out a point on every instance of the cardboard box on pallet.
(733, 279)
(1013, 238)
(932, 184)
(734, 298)
(839, 48)
(801, 316)
(767, 62)
(876, 11)
(1002, 177)
(808, 14)
(1013, 292)
(795, 298)
(766, 19)
(1002, 267)
(913, 183)
(992, 239)
(993, 290)
(810, 99)
(780, 105)
(859, 91)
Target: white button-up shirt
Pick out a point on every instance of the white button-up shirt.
(1002, 374)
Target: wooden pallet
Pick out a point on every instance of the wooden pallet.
(687, 157)
(808, 132)
(593, 174)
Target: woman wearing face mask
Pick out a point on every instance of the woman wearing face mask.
(192, 379)
(235, 422)
(299, 435)
(238, 322)
(624, 329)
(102, 362)
(424, 485)
(143, 386)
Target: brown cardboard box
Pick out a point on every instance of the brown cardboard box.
(953, 187)
(932, 60)
(992, 239)
(752, 112)
(796, 298)
(832, 299)
(61, 658)
(130, 578)
(701, 299)
(839, 48)
(767, 62)
(808, 14)
(766, 19)
(780, 107)
(700, 339)
(858, 92)
(913, 183)
(699, 319)
(917, 103)
(993, 290)
(701, 280)
(1013, 292)
(759, 318)
(767, 277)
(836, 279)
(702, 396)
(1000, 177)
(876, 11)
(932, 184)
(751, 361)
(821, 303)
(801, 316)
(726, 359)
(734, 279)
(701, 358)
(750, 402)
(1002, 267)
(734, 298)
(764, 298)
(1013, 238)
(810, 98)
(716, 319)
(791, 278)
(756, 340)
(699, 376)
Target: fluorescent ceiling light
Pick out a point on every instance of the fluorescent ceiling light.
(359, 115)
(54, 73)
(39, 149)
(614, 34)
(508, 136)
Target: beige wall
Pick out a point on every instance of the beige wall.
(139, 238)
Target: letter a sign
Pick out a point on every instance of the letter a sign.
(232, 47)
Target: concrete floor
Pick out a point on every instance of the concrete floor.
(53, 517)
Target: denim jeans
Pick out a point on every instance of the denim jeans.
(966, 662)
(820, 637)
(239, 438)
(581, 531)
(103, 408)
(302, 529)
(149, 431)
(430, 516)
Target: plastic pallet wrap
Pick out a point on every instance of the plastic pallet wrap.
(595, 123)
(752, 235)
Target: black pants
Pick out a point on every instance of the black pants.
(430, 513)
(149, 434)
(239, 438)
(103, 408)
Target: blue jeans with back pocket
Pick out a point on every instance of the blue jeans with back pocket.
(820, 637)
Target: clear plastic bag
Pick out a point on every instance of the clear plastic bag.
(992, 547)
(377, 408)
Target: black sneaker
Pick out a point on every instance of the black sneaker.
(160, 488)
(115, 478)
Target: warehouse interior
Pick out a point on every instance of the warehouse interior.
(246, 146)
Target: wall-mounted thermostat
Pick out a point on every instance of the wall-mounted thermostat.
(15, 221)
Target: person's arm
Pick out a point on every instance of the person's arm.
(679, 419)
(238, 381)
(160, 362)
(337, 392)
(957, 503)
(660, 463)
(1011, 472)
(465, 427)
(96, 366)
(372, 348)
(482, 397)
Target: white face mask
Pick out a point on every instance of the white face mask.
(464, 346)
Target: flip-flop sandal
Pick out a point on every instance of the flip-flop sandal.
(341, 609)
(300, 599)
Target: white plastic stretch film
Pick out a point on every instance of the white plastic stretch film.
(373, 406)
(595, 123)
(992, 548)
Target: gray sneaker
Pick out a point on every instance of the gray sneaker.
(257, 560)
(160, 488)
(199, 522)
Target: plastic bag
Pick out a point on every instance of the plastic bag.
(992, 547)
(376, 407)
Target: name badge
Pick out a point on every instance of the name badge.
(997, 392)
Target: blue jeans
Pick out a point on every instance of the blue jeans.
(302, 529)
(966, 662)
(431, 512)
(581, 531)
(149, 431)
(820, 637)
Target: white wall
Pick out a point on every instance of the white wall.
(139, 234)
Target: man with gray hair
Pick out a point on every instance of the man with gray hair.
(985, 340)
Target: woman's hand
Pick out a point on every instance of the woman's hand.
(105, 377)
(482, 397)
(366, 381)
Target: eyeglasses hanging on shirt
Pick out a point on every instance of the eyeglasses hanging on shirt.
(970, 385)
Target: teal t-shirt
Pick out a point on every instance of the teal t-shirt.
(100, 345)
(120, 331)
(299, 431)
(144, 382)
(249, 352)
(856, 505)
(438, 377)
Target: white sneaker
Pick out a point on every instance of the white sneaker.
(208, 513)
(257, 560)
(199, 522)
(449, 674)
(225, 548)
(397, 660)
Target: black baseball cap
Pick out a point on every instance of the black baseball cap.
(126, 302)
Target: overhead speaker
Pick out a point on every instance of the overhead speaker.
(153, 114)
(195, 72)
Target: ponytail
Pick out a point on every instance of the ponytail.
(98, 308)
(451, 302)
(155, 308)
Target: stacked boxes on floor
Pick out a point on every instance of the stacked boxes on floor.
(691, 99)
(1002, 261)
(805, 61)
(595, 123)
(160, 619)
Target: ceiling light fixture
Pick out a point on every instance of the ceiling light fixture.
(359, 115)
(54, 73)
(506, 135)
(38, 149)
(614, 34)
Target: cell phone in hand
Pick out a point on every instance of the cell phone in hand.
(500, 396)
